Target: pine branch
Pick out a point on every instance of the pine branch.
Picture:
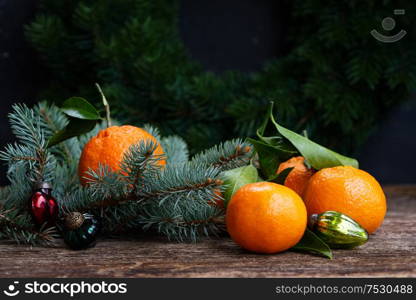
(32, 151)
(178, 199)
(183, 222)
(189, 179)
(66, 177)
(228, 155)
(181, 197)
(51, 121)
(19, 190)
(141, 163)
(106, 187)
(115, 193)
(181, 203)
(122, 217)
(16, 152)
(176, 149)
(13, 227)
(79, 199)
(26, 126)
(4, 195)
(153, 131)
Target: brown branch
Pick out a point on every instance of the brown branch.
(197, 186)
(42, 156)
(132, 197)
(215, 220)
(111, 202)
(29, 158)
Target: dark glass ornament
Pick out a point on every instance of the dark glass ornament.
(44, 207)
(80, 230)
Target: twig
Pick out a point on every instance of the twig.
(178, 189)
(106, 105)
(217, 220)
(28, 158)
(131, 196)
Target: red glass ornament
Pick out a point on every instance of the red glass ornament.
(44, 207)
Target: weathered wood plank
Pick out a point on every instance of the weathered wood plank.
(391, 252)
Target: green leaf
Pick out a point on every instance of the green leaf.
(82, 118)
(270, 154)
(236, 178)
(74, 128)
(316, 155)
(271, 151)
(281, 177)
(79, 108)
(311, 243)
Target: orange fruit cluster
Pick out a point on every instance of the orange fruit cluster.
(266, 217)
(109, 147)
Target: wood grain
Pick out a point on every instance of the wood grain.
(390, 253)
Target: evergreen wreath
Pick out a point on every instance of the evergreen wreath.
(336, 82)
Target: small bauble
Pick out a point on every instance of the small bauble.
(80, 230)
(44, 207)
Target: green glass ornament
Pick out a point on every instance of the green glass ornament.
(338, 230)
(80, 230)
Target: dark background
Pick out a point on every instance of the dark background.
(217, 34)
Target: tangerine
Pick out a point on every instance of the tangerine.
(266, 217)
(350, 191)
(299, 177)
(108, 148)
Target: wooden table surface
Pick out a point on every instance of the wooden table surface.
(391, 252)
